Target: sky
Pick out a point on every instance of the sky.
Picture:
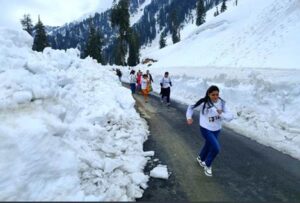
(52, 12)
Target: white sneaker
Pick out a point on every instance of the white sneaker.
(202, 163)
(208, 171)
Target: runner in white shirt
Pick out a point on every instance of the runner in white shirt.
(166, 85)
(213, 111)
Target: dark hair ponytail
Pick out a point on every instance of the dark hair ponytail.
(206, 99)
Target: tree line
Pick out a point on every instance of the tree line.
(127, 41)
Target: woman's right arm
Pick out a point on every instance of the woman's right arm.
(189, 114)
(190, 110)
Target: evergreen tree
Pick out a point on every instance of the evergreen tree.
(27, 23)
(117, 55)
(161, 18)
(223, 7)
(175, 36)
(216, 13)
(200, 13)
(67, 38)
(162, 41)
(175, 28)
(134, 49)
(94, 45)
(40, 39)
(120, 18)
(236, 2)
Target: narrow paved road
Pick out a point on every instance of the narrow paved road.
(243, 171)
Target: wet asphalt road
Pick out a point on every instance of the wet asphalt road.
(244, 170)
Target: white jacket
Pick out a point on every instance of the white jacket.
(211, 120)
(132, 79)
(166, 82)
(145, 83)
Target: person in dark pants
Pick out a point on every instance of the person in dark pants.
(212, 112)
(132, 81)
(166, 85)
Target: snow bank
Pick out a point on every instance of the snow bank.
(68, 129)
(265, 102)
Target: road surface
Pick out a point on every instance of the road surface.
(243, 171)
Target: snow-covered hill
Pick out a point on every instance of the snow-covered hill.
(136, 16)
(253, 34)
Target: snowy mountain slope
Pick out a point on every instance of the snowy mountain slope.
(253, 34)
(135, 17)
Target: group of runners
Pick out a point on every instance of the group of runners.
(142, 83)
(213, 111)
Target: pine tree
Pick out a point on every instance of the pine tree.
(120, 18)
(175, 28)
(200, 13)
(216, 13)
(162, 41)
(134, 49)
(40, 39)
(223, 7)
(117, 55)
(175, 37)
(94, 45)
(27, 23)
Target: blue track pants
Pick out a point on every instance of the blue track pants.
(211, 147)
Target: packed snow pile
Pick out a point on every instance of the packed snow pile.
(161, 171)
(68, 129)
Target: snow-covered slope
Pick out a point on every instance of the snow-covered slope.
(135, 17)
(64, 135)
(253, 34)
